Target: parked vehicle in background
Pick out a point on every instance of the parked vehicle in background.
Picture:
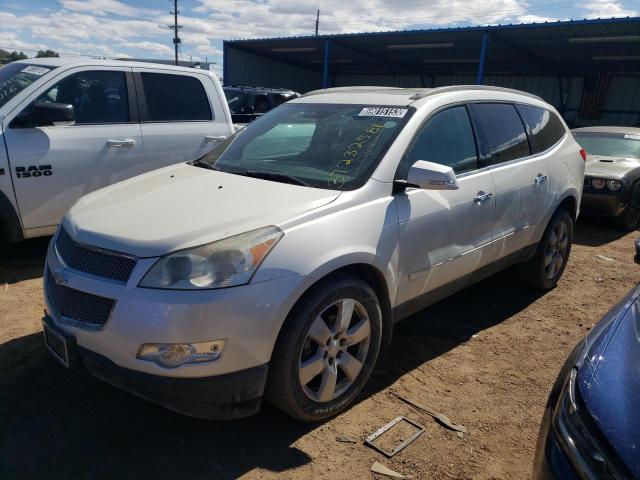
(612, 174)
(71, 126)
(336, 215)
(248, 103)
(591, 424)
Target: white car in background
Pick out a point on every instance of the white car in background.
(277, 264)
(71, 126)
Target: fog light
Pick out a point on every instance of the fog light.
(614, 185)
(172, 355)
(598, 183)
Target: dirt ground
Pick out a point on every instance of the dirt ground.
(485, 357)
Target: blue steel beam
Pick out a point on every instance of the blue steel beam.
(483, 57)
(325, 70)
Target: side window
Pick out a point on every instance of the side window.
(279, 99)
(262, 104)
(97, 96)
(503, 130)
(447, 139)
(545, 127)
(174, 98)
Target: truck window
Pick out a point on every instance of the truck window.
(97, 96)
(175, 98)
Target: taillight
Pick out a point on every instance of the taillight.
(583, 154)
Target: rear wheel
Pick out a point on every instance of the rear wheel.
(629, 219)
(326, 350)
(547, 265)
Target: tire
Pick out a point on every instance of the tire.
(313, 348)
(547, 265)
(629, 219)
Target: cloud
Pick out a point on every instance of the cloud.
(606, 9)
(104, 7)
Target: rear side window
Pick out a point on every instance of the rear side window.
(447, 139)
(174, 98)
(505, 138)
(545, 127)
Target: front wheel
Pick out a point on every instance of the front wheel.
(326, 349)
(629, 219)
(547, 265)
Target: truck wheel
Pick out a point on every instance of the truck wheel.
(326, 349)
(630, 217)
(547, 265)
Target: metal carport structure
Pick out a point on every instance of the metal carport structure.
(589, 69)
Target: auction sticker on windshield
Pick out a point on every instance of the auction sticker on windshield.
(34, 70)
(383, 112)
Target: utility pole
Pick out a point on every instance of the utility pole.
(175, 27)
(317, 21)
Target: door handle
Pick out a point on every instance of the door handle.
(213, 138)
(482, 197)
(129, 142)
(540, 179)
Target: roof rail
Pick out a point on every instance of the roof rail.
(455, 88)
(347, 89)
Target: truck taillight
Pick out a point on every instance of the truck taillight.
(583, 154)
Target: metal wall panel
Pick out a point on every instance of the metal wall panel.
(245, 68)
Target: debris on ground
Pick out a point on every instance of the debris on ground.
(377, 467)
(346, 439)
(605, 258)
(402, 432)
(439, 417)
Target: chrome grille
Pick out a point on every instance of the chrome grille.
(92, 260)
(77, 305)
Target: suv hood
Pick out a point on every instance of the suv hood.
(184, 206)
(610, 167)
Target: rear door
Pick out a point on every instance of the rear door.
(181, 116)
(53, 166)
(521, 179)
(444, 235)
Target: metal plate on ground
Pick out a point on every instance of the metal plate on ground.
(385, 428)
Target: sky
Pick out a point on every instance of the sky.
(139, 28)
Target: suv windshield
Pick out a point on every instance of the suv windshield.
(610, 145)
(15, 77)
(321, 145)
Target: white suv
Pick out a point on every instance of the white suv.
(277, 264)
(71, 126)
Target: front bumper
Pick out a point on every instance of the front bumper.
(229, 396)
(602, 204)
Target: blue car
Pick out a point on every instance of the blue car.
(591, 425)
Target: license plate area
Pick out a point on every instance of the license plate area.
(57, 344)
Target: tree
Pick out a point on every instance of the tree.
(6, 57)
(46, 53)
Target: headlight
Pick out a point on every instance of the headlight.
(172, 355)
(225, 263)
(614, 185)
(580, 437)
(598, 183)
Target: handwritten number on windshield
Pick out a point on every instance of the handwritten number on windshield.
(350, 155)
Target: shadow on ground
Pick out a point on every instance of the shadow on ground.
(595, 233)
(57, 424)
(23, 260)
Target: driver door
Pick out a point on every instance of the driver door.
(444, 235)
(53, 166)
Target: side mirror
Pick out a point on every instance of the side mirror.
(637, 257)
(48, 114)
(432, 176)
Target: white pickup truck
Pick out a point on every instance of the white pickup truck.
(71, 126)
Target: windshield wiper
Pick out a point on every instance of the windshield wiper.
(278, 177)
(202, 164)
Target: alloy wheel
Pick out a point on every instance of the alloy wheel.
(334, 350)
(556, 250)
